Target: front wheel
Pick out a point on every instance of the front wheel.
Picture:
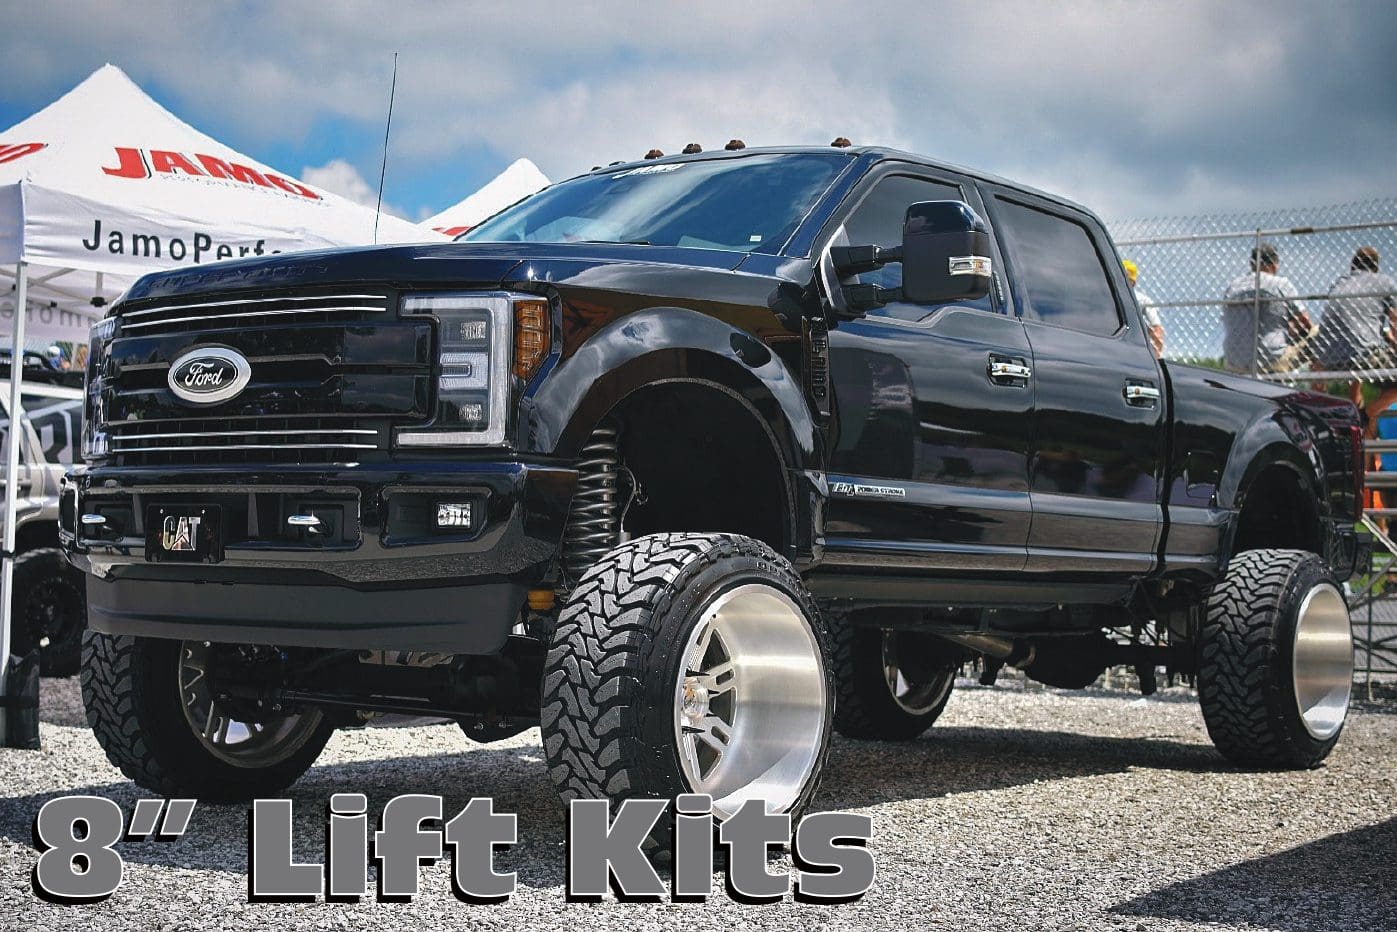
(1275, 660)
(153, 707)
(689, 663)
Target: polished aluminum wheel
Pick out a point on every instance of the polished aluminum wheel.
(915, 691)
(751, 704)
(1322, 661)
(241, 744)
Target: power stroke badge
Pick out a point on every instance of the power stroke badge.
(209, 375)
(868, 491)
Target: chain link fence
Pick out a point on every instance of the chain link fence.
(1324, 315)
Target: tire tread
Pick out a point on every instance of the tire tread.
(594, 676)
(1240, 682)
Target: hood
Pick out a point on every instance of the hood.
(475, 265)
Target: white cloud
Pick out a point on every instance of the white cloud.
(339, 177)
(1264, 100)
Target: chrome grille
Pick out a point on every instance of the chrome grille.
(254, 311)
(332, 370)
(275, 440)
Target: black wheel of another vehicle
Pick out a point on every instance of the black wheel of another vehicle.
(49, 609)
(153, 708)
(1275, 660)
(891, 685)
(689, 663)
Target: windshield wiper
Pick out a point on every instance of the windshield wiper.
(615, 242)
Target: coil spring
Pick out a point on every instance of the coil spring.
(593, 524)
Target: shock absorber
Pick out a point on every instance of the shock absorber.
(594, 524)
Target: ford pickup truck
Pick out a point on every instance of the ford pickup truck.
(691, 462)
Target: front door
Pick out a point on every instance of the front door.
(932, 408)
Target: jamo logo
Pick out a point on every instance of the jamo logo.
(10, 152)
(145, 163)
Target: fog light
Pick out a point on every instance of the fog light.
(454, 514)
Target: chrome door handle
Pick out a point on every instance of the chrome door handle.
(1003, 369)
(309, 523)
(1141, 395)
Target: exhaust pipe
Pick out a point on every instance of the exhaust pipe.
(1065, 662)
(1016, 653)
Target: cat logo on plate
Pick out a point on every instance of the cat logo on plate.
(209, 375)
(179, 534)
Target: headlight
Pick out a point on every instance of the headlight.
(94, 435)
(475, 333)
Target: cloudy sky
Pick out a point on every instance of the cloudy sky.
(1134, 108)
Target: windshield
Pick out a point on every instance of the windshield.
(750, 204)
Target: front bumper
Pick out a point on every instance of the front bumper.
(379, 576)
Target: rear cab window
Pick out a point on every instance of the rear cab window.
(1060, 273)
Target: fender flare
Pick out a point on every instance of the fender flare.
(1278, 439)
(671, 344)
(1266, 444)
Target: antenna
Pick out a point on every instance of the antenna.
(383, 171)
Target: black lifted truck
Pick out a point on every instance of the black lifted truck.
(689, 462)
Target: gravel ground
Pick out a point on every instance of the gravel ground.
(1022, 809)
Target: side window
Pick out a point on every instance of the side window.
(878, 221)
(1059, 269)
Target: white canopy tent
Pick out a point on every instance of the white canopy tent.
(518, 181)
(104, 185)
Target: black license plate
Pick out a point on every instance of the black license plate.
(184, 533)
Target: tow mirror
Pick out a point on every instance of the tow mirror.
(945, 253)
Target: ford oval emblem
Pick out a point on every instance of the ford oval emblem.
(209, 375)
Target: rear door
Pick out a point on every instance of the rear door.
(1099, 425)
(930, 432)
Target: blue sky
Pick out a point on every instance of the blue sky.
(1134, 108)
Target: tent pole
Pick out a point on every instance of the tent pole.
(7, 563)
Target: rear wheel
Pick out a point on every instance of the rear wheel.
(1275, 668)
(892, 685)
(155, 711)
(689, 663)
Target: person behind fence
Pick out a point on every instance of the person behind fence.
(1154, 326)
(1266, 326)
(1359, 331)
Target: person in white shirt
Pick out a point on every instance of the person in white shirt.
(1149, 313)
(1265, 324)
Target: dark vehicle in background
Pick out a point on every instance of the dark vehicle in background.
(40, 369)
(48, 607)
(689, 462)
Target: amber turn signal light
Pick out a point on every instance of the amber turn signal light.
(533, 336)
